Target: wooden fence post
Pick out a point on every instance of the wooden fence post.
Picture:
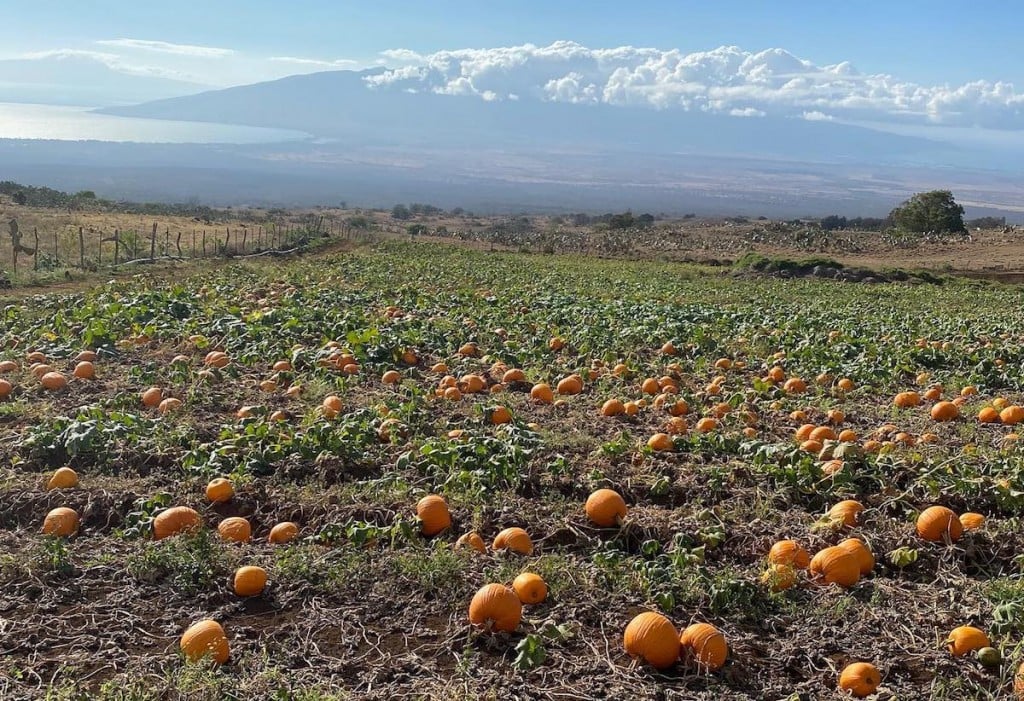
(227, 242)
(56, 253)
(245, 235)
(152, 244)
(81, 248)
(117, 245)
(35, 255)
(177, 244)
(204, 243)
(193, 243)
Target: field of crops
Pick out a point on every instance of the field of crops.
(336, 392)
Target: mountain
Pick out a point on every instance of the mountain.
(339, 105)
(69, 78)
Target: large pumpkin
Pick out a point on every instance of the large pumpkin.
(652, 638)
(835, 566)
(250, 580)
(433, 513)
(496, 607)
(515, 539)
(235, 529)
(205, 638)
(175, 520)
(61, 521)
(606, 508)
(704, 644)
(937, 522)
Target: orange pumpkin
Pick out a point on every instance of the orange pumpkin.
(905, 400)
(84, 370)
(613, 407)
(250, 581)
(606, 508)
(220, 490)
(937, 522)
(530, 588)
(848, 512)
(471, 540)
(706, 425)
(53, 381)
(822, 434)
(283, 532)
(391, 377)
(1012, 415)
(152, 397)
(573, 384)
(660, 442)
(652, 638)
(971, 521)
(945, 411)
(61, 522)
(514, 539)
(500, 415)
(513, 375)
(794, 385)
(541, 392)
(857, 548)
(205, 638)
(496, 607)
(789, 552)
(705, 645)
(835, 566)
(175, 520)
(432, 511)
(331, 406)
(235, 529)
(965, 639)
(860, 679)
(63, 478)
(989, 415)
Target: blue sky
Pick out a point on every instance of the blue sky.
(934, 42)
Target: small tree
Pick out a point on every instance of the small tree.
(934, 211)
(400, 211)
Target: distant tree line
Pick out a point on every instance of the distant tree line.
(403, 212)
(835, 222)
(622, 220)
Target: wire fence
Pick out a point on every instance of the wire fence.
(88, 247)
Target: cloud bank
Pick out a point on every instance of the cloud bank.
(166, 47)
(726, 80)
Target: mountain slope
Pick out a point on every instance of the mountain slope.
(339, 105)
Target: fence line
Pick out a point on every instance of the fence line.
(95, 248)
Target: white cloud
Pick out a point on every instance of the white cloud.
(726, 80)
(165, 47)
(112, 61)
(338, 63)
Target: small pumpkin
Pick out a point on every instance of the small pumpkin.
(168, 405)
(205, 638)
(61, 522)
(989, 415)
(530, 588)
(513, 375)
(964, 639)
(84, 370)
(496, 607)
(53, 381)
(945, 411)
(235, 529)
(706, 425)
(331, 406)
(705, 645)
(175, 520)
(789, 552)
(971, 521)
(1012, 415)
(794, 385)
(906, 400)
(860, 679)
(284, 532)
(514, 539)
(63, 478)
(391, 377)
(250, 580)
(152, 397)
(8, 366)
(432, 511)
(651, 637)
(613, 407)
(471, 540)
(500, 415)
(835, 565)
(937, 522)
(541, 392)
(573, 384)
(220, 490)
(660, 442)
(606, 508)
